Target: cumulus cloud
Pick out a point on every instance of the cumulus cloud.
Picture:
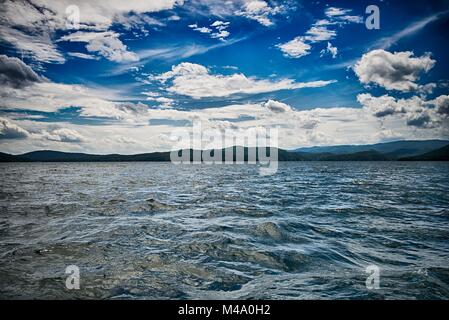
(380, 106)
(107, 44)
(64, 135)
(15, 73)
(196, 81)
(442, 104)
(295, 48)
(9, 130)
(394, 71)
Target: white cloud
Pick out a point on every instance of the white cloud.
(319, 33)
(107, 44)
(393, 71)
(163, 102)
(335, 12)
(218, 32)
(276, 106)
(260, 11)
(200, 29)
(295, 48)
(330, 49)
(64, 135)
(82, 55)
(340, 15)
(194, 80)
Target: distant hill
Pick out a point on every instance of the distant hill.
(57, 156)
(441, 154)
(357, 156)
(400, 150)
(394, 150)
(4, 157)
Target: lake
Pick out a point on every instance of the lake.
(164, 231)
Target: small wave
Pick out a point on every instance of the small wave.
(271, 230)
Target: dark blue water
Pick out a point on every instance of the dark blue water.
(161, 231)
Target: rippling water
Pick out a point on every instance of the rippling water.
(157, 230)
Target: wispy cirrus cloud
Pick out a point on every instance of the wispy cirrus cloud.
(411, 29)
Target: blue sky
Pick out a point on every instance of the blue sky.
(125, 74)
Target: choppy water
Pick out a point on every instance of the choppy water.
(156, 230)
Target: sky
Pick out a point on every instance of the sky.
(122, 76)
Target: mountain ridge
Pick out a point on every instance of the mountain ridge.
(406, 151)
(394, 149)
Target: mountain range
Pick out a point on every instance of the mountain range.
(427, 150)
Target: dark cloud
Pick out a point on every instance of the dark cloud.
(9, 130)
(14, 73)
(420, 120)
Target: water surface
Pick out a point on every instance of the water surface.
(163, 231)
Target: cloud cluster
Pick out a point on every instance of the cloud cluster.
(416, 111)
(196, 81)
(320, 31)
(320, 126)
(394, 71)
(218, 30)
(30, 25)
